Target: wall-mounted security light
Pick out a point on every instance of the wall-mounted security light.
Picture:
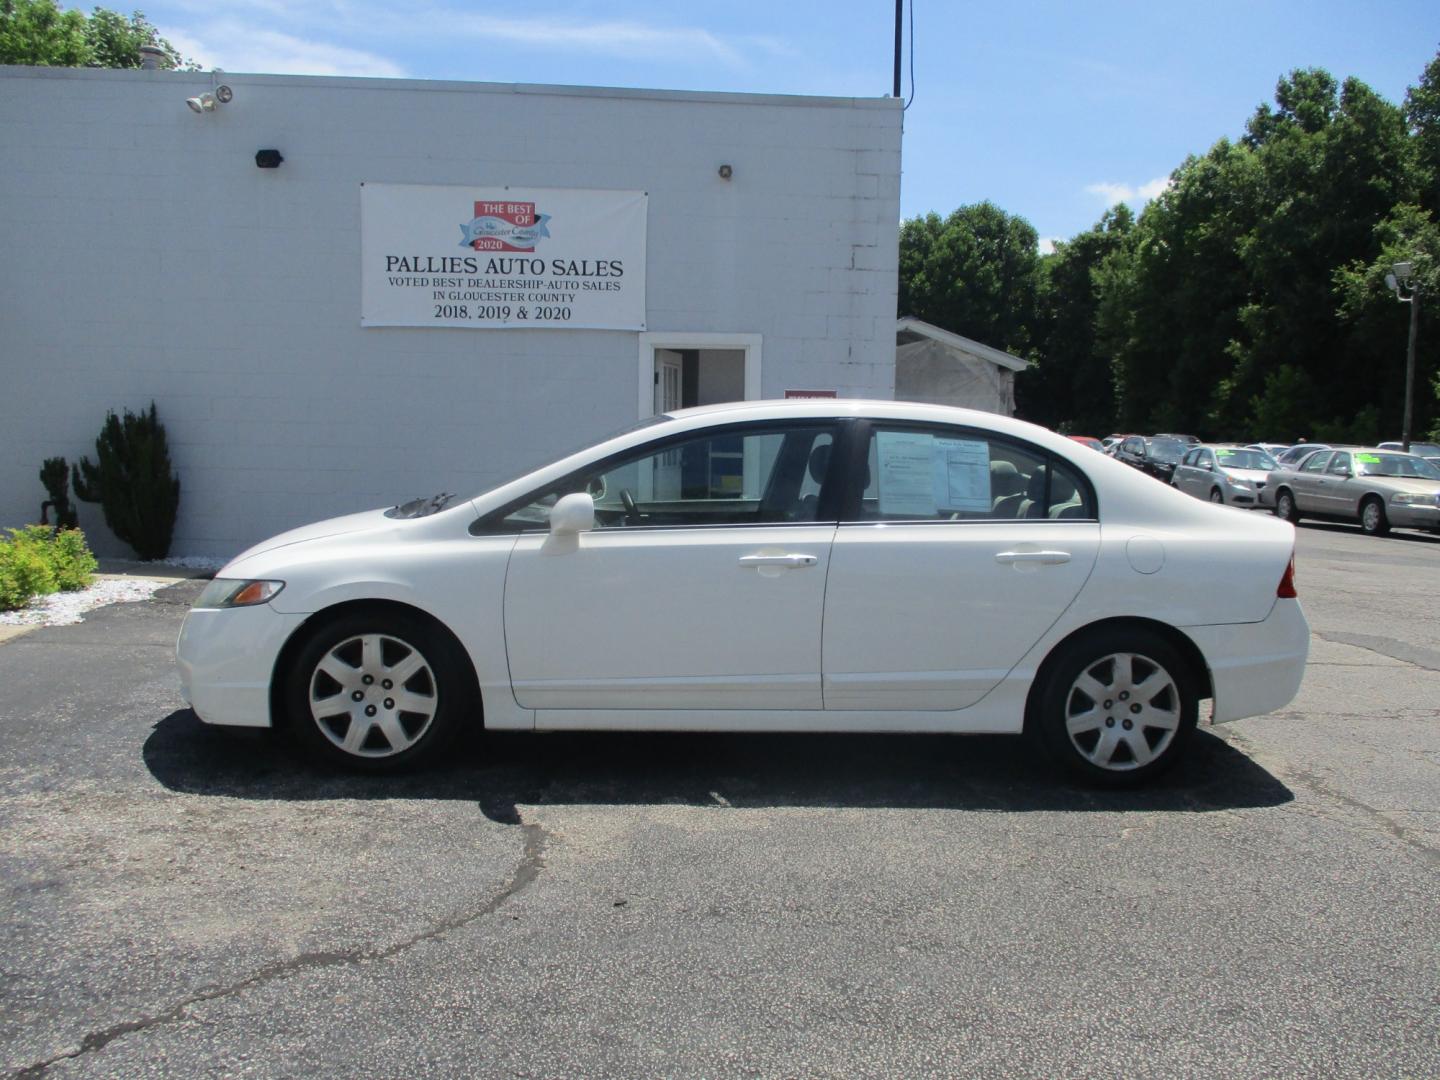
(268, 159)
(726, 172)
(218, 95)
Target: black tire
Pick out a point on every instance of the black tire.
(1118, 660)
(359, 719)
(1372, 517)
(1285, 506)
(1217, 496)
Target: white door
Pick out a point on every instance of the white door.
(943, 584)
(669, 378)
(710, 601)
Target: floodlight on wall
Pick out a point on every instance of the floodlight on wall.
(219, 94)
(726, 172)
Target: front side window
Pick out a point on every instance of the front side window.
(1340, 463)
(755, 476)
(1316, 462)
(917, 474)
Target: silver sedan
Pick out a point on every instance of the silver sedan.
(1231, 475)
(1377, 488)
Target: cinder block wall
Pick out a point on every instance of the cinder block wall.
(146, 257)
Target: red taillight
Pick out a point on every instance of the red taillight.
(1286, 590)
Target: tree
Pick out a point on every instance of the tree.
(37, 33)
(1071, 385)
(40, 34)
(974, 273)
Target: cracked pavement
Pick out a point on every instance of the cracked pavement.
(181, 901)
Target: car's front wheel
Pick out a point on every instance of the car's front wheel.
(1372, 517)
(1116, 707)
(1217, 496)
(376, 692)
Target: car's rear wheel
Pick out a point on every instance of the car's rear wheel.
(376, 692)
(1285, 506)
(1116, 707)
(1372, 517)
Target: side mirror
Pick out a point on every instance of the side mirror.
(575, 513)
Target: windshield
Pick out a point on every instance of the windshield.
(1245, 459)
(1402, 466)
(1165, 449)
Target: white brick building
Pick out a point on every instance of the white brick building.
(147, 257)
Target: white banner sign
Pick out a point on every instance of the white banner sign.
(502, 257)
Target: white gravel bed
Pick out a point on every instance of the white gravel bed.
(65, 608)
(195, 562)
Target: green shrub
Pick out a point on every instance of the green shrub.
(25, 569)
(71, 560)
(36, 561)
(133, 483)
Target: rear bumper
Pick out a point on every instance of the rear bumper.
(226, 660)
(1255, 668)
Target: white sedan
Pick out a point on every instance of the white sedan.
(768, 566)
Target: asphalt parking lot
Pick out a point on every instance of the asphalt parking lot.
(181, 901)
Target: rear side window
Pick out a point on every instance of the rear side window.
(927, 474)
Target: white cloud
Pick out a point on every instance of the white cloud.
(624, 39)
(234, 46)
(1118, 193)
(297, 34)
(1047, 244)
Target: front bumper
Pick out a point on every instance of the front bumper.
(1256, 668)
(1413, 515)
(226, 659)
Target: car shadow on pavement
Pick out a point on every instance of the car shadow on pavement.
(1410, 535)
(504, 771)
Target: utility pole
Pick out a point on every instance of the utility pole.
(1402, 283)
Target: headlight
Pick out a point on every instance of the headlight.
(1236, 482)
(1415, 498)
(229, 593)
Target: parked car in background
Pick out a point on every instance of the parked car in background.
(1193, 440)
(1156, 456)
(1090, 441)
(1271, 448)
(808, 565)
(1231, 475)
(1428, 450)
(1378, 488)
(1277, 480)
(1293, 455)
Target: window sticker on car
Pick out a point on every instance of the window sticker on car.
(1224, 453)
(924, 475)
(1368, 459)
(906, 477)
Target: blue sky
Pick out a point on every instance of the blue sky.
(1053, 110)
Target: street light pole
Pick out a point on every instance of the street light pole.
(1407, 290)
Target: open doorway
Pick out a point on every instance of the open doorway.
(682, 371)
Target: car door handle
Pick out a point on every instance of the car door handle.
(778, 560)
(1047, 557)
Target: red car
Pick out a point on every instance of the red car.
(1090, 441)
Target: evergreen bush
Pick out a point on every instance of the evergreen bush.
(55, 475)
(133, 483)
